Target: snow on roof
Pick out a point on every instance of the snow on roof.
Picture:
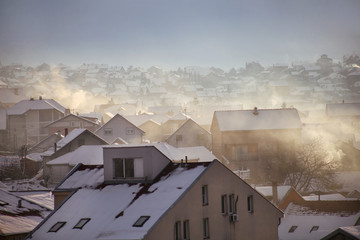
(114, 209)
(85, 154)
(71, 136)
(72, 115)
(265, 119)
(200, 153)
(84, 177)
(138, 120)
(327, 197)
(15, 219)
(326, 215)
(352, 230)
(267, 191)
(179, 116)
(343, 109)
(43, 198)
(41, 104)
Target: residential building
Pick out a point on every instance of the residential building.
(140, 194)
(118, 126)
(244, 139)
(27, 118)
(171, 125)
(190, 134)
(70, 122)
(314, 220)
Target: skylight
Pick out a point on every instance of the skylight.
(2, 203)
(57, 226)
(292, 229)
(81, 223)
(141, 221)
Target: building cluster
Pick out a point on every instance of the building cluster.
(174, 155)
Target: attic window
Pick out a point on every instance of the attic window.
(57, 226)
(141, 221)
(292, 229)
(2, 203)
(314, 228)
(130, 131)
(81, 223)
(108, 131)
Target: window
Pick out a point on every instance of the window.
(108, 131)
(123, 167)
(204, 192)
(45, 116)
(57, 226)
(141, 221)
(250, 204)
(314, 228)
(186, 228)
(178, 138)
(81, 223)
(177, 230)
(130, 131)
(232, 203)
(292, 229)
(206, 228)
(224, 204)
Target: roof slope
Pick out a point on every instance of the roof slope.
(265, 119)
(327, 215)
(41, 104)
(114, 209)
(16, 220)
(86, 154)
(72, 115)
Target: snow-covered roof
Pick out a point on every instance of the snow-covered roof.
(315, 219)
(179, 116)
(41, 104)
(42, 198)
(85, 154)
(343, 109)
(71, 136)
(15, 219)
(327, 197)
(113, 209)
(265, 119)
(83, 177)
(352, 230)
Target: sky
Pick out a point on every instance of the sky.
(177, 33)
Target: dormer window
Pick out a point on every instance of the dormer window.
(123, 168)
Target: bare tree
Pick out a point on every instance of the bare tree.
(314, 169)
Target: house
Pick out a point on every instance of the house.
(27, 118)
(346, 233)
(243, 139)
(118, 126)
(171, 125)
(190, 134)
(19, 216)
(316, 219)
(70, 122)
(152, 130)
(32, 162)
(140, 194)
(62, 165)
(347, 113)
(281, 196)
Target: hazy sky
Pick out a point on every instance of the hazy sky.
(171, 33)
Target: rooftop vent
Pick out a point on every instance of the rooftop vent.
(31, 99)
(40, 97)
(255, 112)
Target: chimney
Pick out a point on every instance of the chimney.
(275, 192)
(31, 99)
(55, 147)
(182, 163)
(186, 160)
(255, 112)
(40, 97)
(66, 132)
(19, 203)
